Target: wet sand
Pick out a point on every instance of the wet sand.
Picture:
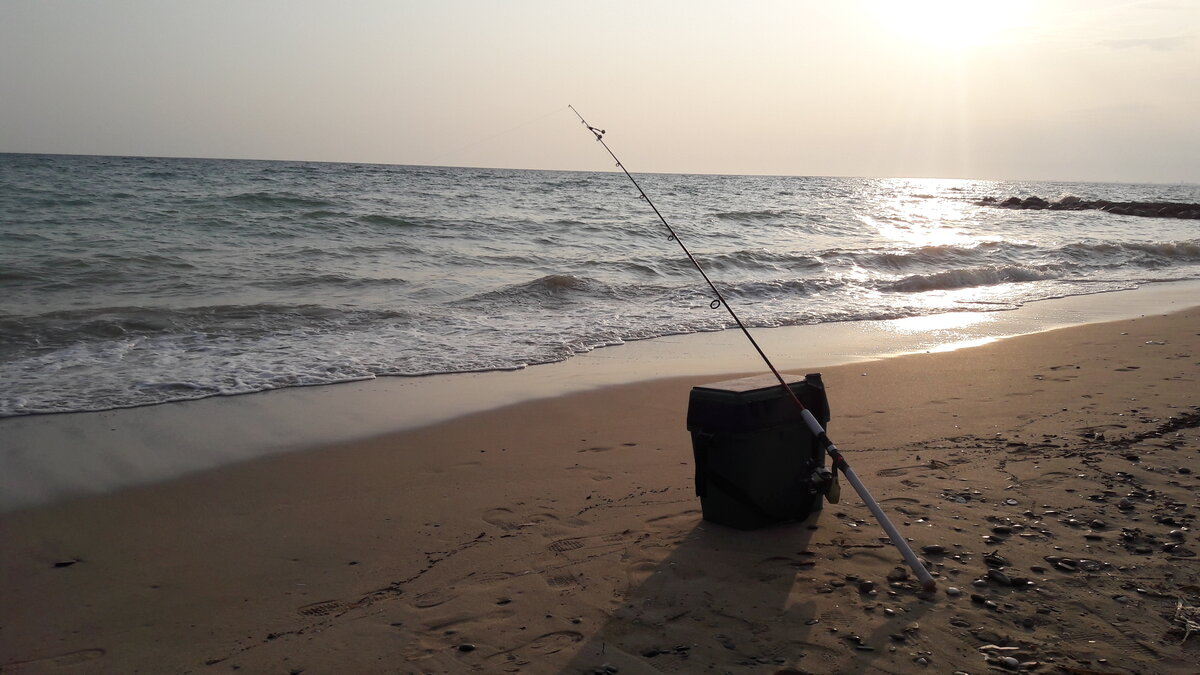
(563, 535)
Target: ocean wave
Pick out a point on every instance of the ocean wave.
(1170, 250)
(13, 274)
(972, 277)
(997, 254)
(322, 213)
(556, 283)
(277, 199)
(109, 269)
(117, 262)
(766, 214)
(779, 288)
(59, 329)
(939, 255)
(549, 289)
(392, 221)
(752, 259)
(17, 236)
(65, 201)
(639, 268)
(583, 182)
(308, 279)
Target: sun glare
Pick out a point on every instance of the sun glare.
(952, 24)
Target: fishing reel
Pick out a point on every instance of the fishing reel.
(825, 482)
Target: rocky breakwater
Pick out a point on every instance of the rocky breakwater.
(1073, 203)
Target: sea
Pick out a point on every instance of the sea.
(128, 281)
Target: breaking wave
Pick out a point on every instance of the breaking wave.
(969, 278)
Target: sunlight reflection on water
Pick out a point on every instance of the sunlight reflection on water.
(940, 322)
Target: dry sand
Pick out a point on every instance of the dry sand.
(564, 536)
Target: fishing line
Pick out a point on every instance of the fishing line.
(498, 134)
(720, 300)
(836, 458)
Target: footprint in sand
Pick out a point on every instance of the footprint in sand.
(595, 474)
(640, 571)
(550, 643)
(564, 545)
(675, 521)
(1048, 477)
(509, 520)
(1126, 643)
(323, 608)
(850, 554)
(835, 619)
(339, 607)
(58, 661)
(560, 581)
(906, 505)
(444, 621)
(605, 448)
(438, 596)
(1099, 428)
(591, 543)
(905, 470)
(502, 518)
(775, 567)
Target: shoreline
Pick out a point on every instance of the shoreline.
(41, 460)
(562, 534)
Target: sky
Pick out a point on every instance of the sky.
(1081, 90)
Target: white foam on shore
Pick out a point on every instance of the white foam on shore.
(46, 458)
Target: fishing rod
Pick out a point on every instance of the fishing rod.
(839, 462)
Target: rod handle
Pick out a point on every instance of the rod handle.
(839, 462)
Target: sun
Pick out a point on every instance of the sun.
(952, 24)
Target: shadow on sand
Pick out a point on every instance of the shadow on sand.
(762, 601)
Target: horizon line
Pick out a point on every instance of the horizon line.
(664, 173)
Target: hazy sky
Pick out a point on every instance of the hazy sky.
(1058, 89)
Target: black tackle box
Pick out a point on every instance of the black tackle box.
(757, 462)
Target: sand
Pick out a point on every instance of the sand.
(564, 536)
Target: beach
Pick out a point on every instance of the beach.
(563, 535)
(413, 338)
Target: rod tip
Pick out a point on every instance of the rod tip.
(929, 586)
